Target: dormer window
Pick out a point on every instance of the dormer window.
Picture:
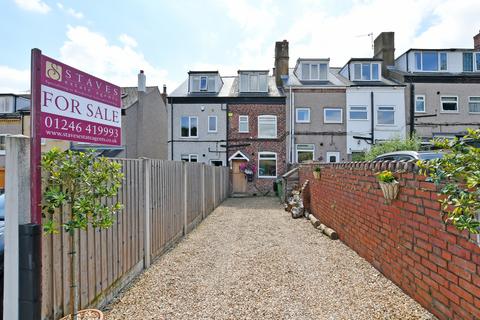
(431, 61)
(314, 71)
(471, 61)
(204, 82)
(366, 71)
(253, 81)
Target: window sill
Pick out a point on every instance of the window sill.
(263, 177)
(358, 119)
(329, 122)
(450, 112)
(302, 121)
(196, 137)
(243, 131)
(266, 138)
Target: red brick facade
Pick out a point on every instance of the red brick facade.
(254, 144)
(406, 240)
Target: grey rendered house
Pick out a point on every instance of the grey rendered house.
(197, 118)
(442, 87)
(316, 112)
(144, 126)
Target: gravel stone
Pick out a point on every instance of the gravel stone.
(250, 260)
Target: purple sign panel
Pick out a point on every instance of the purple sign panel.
(76, 106)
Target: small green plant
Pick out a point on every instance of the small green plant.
(386, 176)
(76, 183)
(396, 144)
(458, 174)
(317, 169)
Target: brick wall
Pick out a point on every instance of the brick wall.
(249, 143)
(406, 240)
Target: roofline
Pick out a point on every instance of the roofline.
(437, 49)
(251, 70)
(313, 59)
(195, 72)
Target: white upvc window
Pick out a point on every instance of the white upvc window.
(420, 103)
(189, 157)
(267, 127)
(333, 157)
(2, 143)
(189, 127)
(302, 115)
(305, 152)
(474, 104)
(366, 71)
(449, 104)
(203, 83)
(332, 115)
(216, 163)
(357, 113)
(6, 104)
(314, 71)
(386, 115)
(253, 82)
(267, 164)
(431, 61)
(212, 123)
(243, 124)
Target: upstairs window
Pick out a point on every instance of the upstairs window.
(205, 83)
(253, 82)
(189, 127)
(243, 124)
(267, 127)
(477, 59)
(366, 71)
(468, 61)
(419, 103)
(358, 113)
(302, 115)
(431, 61)
(332, 115)
(449, 104)
(6, 104)
(386, 115)
(2, 144)
(212, 123)
(474, 104)
(189, 157)
(314, 71)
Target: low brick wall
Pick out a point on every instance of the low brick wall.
(406, 240)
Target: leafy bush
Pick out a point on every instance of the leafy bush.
(458, 172)
(386, 176)
(395, 144)
(317, 169)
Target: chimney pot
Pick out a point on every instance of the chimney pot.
(142, 87)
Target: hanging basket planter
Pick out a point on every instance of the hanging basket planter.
(317, 173)
(87, 314)
(388, 184)
(390, 190)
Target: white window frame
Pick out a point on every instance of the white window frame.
(476, 61)
(245, 119)
(189, 156)
(358, 106)
(200, 84)
(276, 164)
(424, 103)
(3, 152)
(189, 127)
(325, 117)
(211, 161)
(439, 65)
(469, 101)
(336, 154)
(258, 126)
(360, 77)
(448, 111)
(304, 144)
(261, 78)
(318, 64)
(386, 124)
(216, 124)
(296, 115)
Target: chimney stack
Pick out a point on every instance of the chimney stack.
(142, 82)
(164, 93)
(281, 61)
(476, 41)
(384, 48)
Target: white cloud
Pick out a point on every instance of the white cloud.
(92, 52)
(33, 5)
(76, 14)
(14, 80)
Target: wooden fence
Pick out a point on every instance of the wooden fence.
(173, 196)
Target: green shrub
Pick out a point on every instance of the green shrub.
(317, 169)
(395, 144)
(458, 172)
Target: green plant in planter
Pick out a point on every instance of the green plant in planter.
(386, 176)
(458, 174)
(75, 183)
(317, 171)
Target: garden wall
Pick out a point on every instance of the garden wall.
(406, 240)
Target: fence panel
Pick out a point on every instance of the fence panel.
(109, 258)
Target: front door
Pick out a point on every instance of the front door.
(239, 179)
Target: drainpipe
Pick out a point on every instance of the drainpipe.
(292, 126)
(226, 135)
(412, 109)
(372, 101)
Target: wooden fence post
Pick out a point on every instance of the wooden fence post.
(185, 198)
(17, 212)
(203, 192)
(214, 188)
(147, 166)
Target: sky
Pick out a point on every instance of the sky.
(113, 40)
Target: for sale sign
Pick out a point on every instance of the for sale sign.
(76, 106)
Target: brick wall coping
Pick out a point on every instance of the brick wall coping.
(394, 166)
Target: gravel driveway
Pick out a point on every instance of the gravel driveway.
(250, 260)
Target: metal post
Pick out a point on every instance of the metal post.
(185, 198)
(35, 147)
